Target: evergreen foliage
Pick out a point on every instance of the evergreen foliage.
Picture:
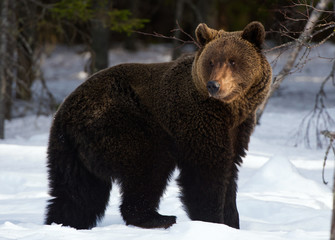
(83, 11)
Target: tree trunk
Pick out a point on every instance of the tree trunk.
(303, 38)
(10, 78)
(100, 39)
(25, 72)
(179, 12)
(130, 41)
(3, 55)
(11, 50)
(25, 51)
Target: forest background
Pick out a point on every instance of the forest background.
(31, 28)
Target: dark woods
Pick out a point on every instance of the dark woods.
(30, 27)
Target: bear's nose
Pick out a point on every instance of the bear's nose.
(213, 87)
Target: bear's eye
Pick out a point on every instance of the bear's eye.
(232, 62)
(211, 63)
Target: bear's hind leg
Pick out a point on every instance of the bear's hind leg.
(79, 197)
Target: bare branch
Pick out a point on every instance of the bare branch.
(328, 134)
(324, 40)
(159, 35)
(187, 34)
(304, 38)
(285, 45)
(312, 7)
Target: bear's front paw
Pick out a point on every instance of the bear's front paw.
(152, 221)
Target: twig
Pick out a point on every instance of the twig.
(159, 35)
(284, 45)
(323, 41)
(319, 112)
(312, 7)
(185, 33)
(331, 136)
(328, 134)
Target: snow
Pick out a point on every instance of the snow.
(281, 194)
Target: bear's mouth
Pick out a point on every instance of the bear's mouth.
(224, 96)
(229, 98)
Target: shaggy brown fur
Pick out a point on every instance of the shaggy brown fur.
(135, 122)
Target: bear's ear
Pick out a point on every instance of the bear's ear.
(204, 34)
(254, 32)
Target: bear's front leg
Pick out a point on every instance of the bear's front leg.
(231, 216)
(142, 186)
(203, 192)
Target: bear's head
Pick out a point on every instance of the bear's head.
(228, 63)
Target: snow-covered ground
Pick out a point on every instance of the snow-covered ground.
(281, 194)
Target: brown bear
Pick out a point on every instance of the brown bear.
(134, 123)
